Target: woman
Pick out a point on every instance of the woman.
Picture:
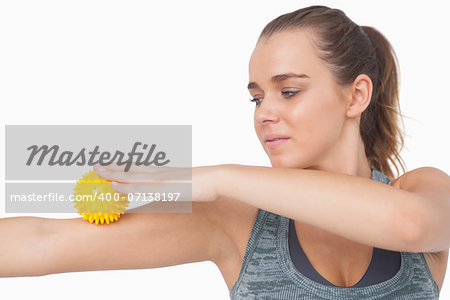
(326, 106)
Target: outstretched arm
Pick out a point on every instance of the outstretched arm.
(31, 246)
(362, 210)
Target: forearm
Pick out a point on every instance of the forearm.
(362, 210)
(20, 241)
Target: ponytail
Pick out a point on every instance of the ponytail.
(382, 137)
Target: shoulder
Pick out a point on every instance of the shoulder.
(431, 172)
(429, 175)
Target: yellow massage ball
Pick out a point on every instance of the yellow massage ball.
(96, 201)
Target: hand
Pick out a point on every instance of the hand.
(147, 179)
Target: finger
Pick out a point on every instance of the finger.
(148, 187)
(156, 174)
(160, 191)
(126, 177)
(132, 168)
(121, 187)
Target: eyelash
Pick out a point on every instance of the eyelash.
(285, 92)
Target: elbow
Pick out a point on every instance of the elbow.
(413, 235)
(416, 231)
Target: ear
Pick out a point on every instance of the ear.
(361, 92)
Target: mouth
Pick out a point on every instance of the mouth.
(276, 139)
(276, 142)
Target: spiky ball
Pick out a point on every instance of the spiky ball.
(96, 201)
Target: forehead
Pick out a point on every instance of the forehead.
(287, 51)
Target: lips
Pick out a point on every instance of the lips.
(276, 142)
(274, 137)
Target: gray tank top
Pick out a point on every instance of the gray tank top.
(268, 271)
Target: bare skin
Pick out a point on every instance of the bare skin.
(322, 122)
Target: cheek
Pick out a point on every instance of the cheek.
(257, 128)
(318, 122)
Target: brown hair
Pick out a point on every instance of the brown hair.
(349, 50)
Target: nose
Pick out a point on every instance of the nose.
(267, 111)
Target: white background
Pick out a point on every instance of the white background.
(186, 62)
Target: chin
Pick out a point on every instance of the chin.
(281, 162)
(287, 162)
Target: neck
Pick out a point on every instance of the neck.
(347, 156)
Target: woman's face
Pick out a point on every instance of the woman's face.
(308, 109)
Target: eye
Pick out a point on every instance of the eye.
(289, 93)
(256, 100)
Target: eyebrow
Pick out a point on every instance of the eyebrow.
(278, 78)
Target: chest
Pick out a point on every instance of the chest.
(340, 261)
